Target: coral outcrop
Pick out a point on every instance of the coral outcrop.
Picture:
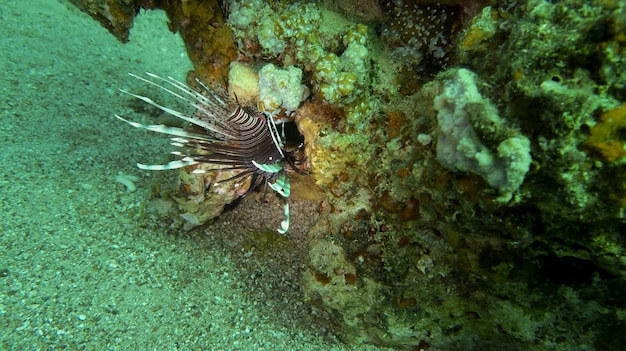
(465, 122)
(471, 157)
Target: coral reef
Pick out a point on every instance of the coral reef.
(470, 154)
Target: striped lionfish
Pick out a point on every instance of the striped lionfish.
(238, 138)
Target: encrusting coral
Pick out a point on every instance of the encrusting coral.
(461, 110)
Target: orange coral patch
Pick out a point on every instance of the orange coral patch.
(410, 211)
(404, 302)
(350, 278)
(396, 121)
(606, 137)
(322, 278)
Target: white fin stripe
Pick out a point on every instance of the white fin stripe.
(160, 128)
(284, 225)
(175, 113)
(200, 101)
(178, 85)
(206, 88)
(275, 136)
(167, 166)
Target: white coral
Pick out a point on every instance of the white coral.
(460, 148)
(281, 88)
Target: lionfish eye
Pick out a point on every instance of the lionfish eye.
(224, 134)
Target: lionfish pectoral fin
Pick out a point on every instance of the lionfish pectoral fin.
(190, 96)
(172, 112)
(284, 225)
(163, 129)
(269, 168)
(281, 185)
(159, 128)
(170, 165)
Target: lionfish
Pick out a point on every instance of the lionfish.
(234, 137)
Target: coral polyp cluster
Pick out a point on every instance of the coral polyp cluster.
(301, 34)
(420, 33)
(342, 78)
(275, 29)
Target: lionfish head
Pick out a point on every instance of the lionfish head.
(222, 133)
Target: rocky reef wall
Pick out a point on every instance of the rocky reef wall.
(469, 155)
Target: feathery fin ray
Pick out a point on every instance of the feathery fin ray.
(235, 138)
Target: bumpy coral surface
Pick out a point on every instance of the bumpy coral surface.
(420, 33)
(115, 16)
(461, 111)
(281, 89)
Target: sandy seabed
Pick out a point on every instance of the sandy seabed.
(81, 266)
